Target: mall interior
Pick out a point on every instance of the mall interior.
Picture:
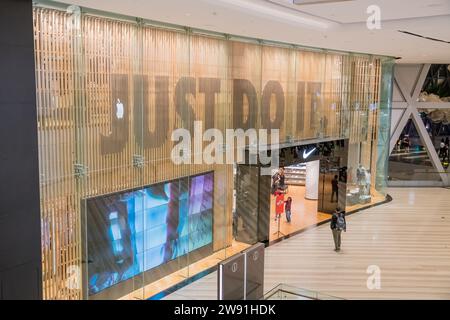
(145, 143)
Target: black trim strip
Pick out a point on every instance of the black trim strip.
(182, 284)
(423, 37)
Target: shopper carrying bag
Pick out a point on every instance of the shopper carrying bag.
(337, 225)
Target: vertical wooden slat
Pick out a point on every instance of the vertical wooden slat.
(76, 58)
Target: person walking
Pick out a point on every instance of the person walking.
(338, 224)
(334, 188)
(407, 143)
(287, 209)
(442, 150)
(281, 183)
(275, 182)
(447, 150)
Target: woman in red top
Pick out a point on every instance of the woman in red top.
(279, 204)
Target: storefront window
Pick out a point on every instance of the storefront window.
(122, 208)
(410, 159)
(383, 126)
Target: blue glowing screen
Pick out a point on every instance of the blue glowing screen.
(132, 232)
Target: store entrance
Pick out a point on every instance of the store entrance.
(310, 184)
(294, 206)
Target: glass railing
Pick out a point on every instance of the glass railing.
(286, 292)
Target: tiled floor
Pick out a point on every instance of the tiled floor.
(304, 213)
(408, 239)
(181, 275)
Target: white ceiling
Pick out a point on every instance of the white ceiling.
(352, 11)
(339, 25)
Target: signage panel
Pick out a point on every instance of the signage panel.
(231, 278)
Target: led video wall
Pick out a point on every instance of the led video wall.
(136, 231)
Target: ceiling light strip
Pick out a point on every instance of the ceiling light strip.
(50, 4)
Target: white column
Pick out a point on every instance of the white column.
(312, 180)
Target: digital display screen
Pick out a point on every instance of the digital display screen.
(134, 231)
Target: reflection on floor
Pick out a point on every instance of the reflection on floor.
(408, 239)
(376, 198)
(304, 213)
(413, 164)
(181, 275)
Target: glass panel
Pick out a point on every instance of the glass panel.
(436, 88)
(56, 91)
(116, 202)
(246, 76)
(436, 122)
(246, 214)
(381, 153)
(410, 159)
(168, 106)
(310, 73)
(111, 190)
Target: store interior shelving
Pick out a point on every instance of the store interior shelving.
(295, 175)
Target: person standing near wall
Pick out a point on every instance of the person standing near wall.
(281, 183)
(442, 150)
(338, 224)
(287, 208)
(275, 182)
(335, 188)
(447, 150)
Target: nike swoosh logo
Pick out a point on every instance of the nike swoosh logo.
(307, 154)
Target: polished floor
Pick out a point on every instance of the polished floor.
(408, 239)
(376, 198)
(175, 278)
(304, 214)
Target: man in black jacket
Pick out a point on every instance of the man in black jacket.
(338, 224)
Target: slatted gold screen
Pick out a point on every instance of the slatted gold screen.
(164, 79)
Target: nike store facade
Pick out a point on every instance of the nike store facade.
(120, 218)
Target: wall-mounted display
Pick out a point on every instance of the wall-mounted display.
(135, 231)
